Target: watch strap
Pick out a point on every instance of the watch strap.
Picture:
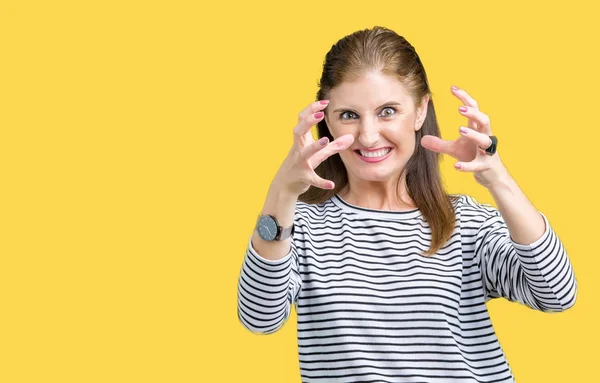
(285, 233)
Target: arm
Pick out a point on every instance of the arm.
(525, 224)
(522, 258)
(269, 282)
(266, 291)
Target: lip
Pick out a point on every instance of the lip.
(377, 159)
(374, 149)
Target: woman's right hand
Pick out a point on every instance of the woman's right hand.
(296, 173)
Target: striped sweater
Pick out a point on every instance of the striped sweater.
(370, 308)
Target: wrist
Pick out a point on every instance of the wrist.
(281, 204)
(282, 191)
(503, 182)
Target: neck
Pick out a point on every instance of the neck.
(389, 195)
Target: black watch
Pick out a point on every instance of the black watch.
(269, 229)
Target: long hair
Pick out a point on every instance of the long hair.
(381, 49)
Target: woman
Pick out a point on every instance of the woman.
(389, 274)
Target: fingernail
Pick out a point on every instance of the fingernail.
(464, 130)
(458, 166)
(331, 185)
(463, 109)
(323, 141)
(324, 102)
(319, 115)
(454, 87)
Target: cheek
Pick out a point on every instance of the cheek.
(401, 135)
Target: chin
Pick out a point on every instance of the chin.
(379, 175)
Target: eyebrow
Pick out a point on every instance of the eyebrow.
(389, 103)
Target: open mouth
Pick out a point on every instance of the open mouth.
(373, 155)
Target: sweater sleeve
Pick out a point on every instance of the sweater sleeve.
(267, 289)
(539, 275)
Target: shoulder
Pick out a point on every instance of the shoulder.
(307, 212)
(467, 206)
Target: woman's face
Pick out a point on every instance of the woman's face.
(381, 115)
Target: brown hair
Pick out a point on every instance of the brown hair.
(381, 49)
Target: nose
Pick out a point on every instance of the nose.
(368, 133)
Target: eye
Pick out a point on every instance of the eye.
(388, 111)
(345, 114)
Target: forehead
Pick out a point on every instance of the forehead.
(370, 90)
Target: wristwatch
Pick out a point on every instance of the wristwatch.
(269, 229)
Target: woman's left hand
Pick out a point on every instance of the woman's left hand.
(467, 149)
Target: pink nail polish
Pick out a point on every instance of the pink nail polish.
(463, 109)
(464, 130)
(324, 102)
(454, 88)
(319, 115)
(458, 166)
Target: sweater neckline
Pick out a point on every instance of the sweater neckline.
(375, 213)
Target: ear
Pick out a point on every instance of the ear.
(421, 112)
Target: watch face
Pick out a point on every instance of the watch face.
(267, 228)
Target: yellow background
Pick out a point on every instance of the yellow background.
(138, 140)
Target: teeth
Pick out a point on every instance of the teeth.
(378, 153)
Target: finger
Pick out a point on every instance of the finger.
(339, 144)
(476, 115)
(463, 96)
(477, 165)
(313, 148)
(438, 145)
(467, 100)
(480, 139)
(309, 116)
(304, 126)
(321, 183)
(312, 108)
